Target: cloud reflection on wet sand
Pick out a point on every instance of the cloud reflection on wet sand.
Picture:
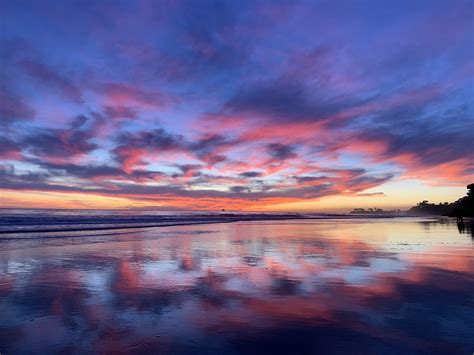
(330, 286)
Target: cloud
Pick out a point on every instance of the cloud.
(279, 100)
(47, 76)
(120, 112)
(209, 148)
(371, 194)
(62, 143)
(361, 183)
(280, 151)
(132, 148)
(98, 173)
(120, 96)
(81, 171)
(9, 149)
(420, 139)
(13, 108)
(309, 179)
(113, 181)
(209, 40)
(250, 174)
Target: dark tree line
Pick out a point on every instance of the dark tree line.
(464, 207)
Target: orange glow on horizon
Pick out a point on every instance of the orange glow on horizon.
(396, 196)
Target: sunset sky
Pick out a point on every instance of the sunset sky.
(242, 105)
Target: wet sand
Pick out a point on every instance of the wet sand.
(337, 286)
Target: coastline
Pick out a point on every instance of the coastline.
(49, 223)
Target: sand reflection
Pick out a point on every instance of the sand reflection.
(375, 287)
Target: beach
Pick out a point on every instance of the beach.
(327, 285)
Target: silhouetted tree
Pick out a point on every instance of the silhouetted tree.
(426, 208)
(464, 207)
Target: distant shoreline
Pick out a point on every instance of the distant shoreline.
(48, 224)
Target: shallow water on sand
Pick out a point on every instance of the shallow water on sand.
(327, 286)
